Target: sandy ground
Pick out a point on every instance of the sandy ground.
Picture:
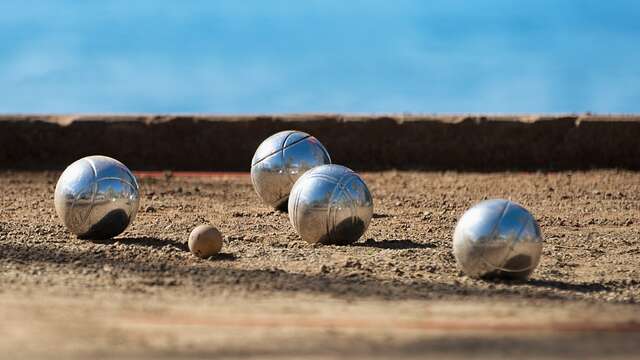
(395, 293)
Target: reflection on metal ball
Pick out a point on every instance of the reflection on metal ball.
(497, 238)
(97, 197)
(280, 160)
(330, 204)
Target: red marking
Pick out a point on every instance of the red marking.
(183, 174)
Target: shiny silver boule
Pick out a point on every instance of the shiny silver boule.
(97, 197)
(280, 160)
(330, 204)
(497, 238)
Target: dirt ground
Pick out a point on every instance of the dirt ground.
(396, 293)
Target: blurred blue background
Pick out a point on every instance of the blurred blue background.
(292, 56)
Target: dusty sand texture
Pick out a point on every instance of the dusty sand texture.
(395, 293)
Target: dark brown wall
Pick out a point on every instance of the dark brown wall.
(227, 143)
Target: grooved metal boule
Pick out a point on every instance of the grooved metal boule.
(97, 197)
(280, 160)
(497, 238)
(330, 204)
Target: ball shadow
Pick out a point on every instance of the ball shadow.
(147, 241)
(158, 243)
(401, 244)
(562, 285)
(223, 257)
(583, 288)
(283, 207)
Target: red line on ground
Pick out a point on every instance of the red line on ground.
(168, 174)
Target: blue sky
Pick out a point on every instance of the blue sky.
(446, 56)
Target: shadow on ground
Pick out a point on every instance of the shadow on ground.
(223, 257)
(209, 275)
(562, 285)
(147, 241)
(394, 244)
